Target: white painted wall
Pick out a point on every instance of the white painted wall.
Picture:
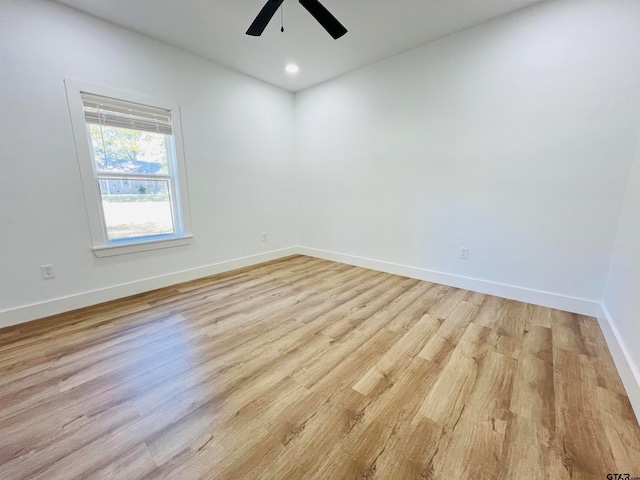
(622, 293)
(238, 144)
(513, 139)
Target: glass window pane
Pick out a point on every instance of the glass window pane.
(136, 208)
(122, 150)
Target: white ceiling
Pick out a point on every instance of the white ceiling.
(215, 29)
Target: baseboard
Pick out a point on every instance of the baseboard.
(545, 299)
(84, 299)
(627, 369)
(64, 304)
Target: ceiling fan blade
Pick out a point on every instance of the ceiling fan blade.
(324, 18)
(263, 18)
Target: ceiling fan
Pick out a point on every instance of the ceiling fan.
(314, 7)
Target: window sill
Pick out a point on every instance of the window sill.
(111, 250)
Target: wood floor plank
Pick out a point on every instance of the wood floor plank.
(474, 444)
(310, 369)
(579, 429)
(447, 399)
(408, 345)
(533, 392)
(618, 423)
(526, 448)
(411, 451)
(134, 464)
(29, 457)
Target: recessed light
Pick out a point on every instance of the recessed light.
(292, 68)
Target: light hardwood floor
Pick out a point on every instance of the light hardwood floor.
(303, 368)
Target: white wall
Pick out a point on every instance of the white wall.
(513, 139)
(622, 293)
(238, 144)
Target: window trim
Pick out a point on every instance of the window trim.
(100, 246)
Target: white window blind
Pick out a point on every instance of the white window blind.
(115, 113)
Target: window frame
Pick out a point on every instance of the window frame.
(101, 247)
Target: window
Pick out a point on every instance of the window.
(130, 156)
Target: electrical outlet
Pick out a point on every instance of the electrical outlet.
(47, 271)
(264, 236)
(464, 253)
